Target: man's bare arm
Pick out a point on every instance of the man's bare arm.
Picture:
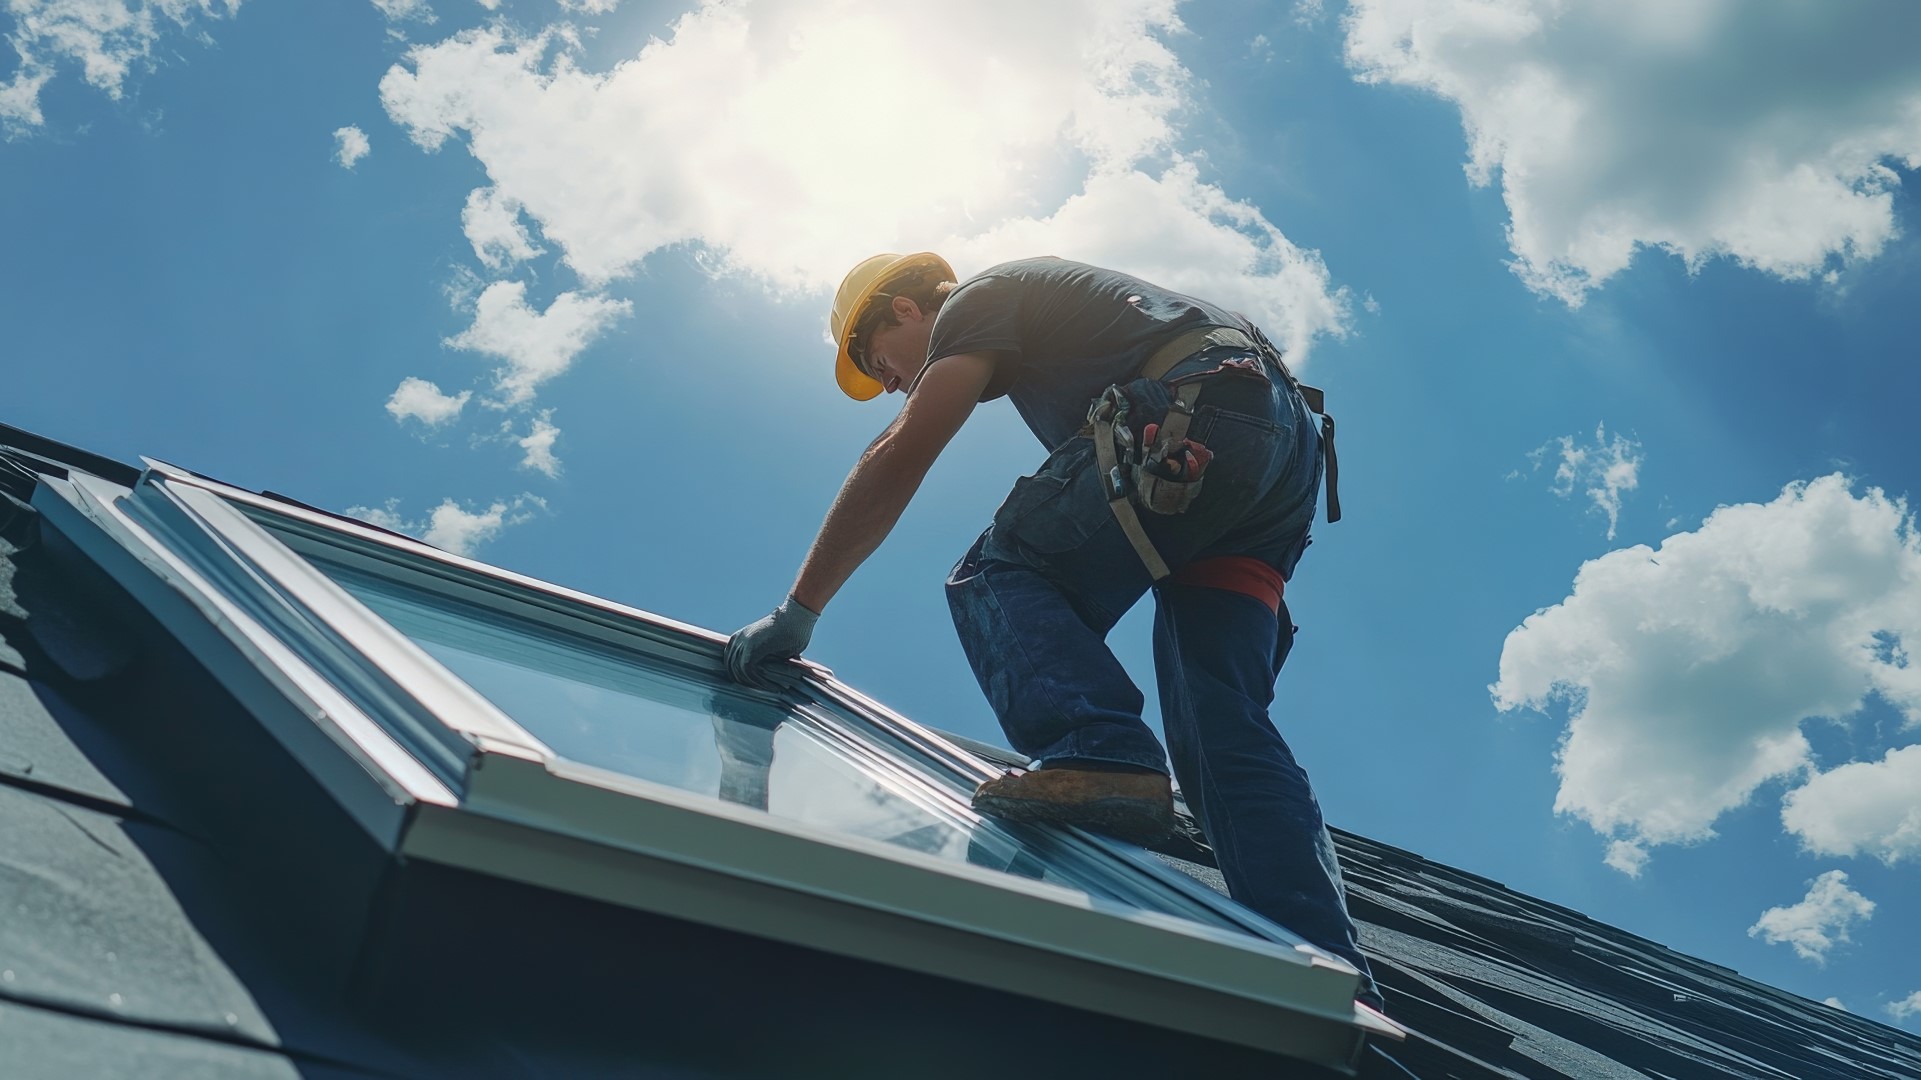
(888, 473)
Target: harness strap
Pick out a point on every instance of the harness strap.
(1118, 502)
(1193, 341)
(1180, 413)
(1164, 358)
(1317, 401)
(1173, 431)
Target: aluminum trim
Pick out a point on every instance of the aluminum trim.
(661, 822)
(443, 751)
(966, 763)
(445, 695)
(92, 503)
(1076, 848)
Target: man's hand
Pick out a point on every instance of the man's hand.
(780, 636)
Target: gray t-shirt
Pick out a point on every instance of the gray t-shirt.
(1066, 330)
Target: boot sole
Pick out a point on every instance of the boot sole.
(1132, 820)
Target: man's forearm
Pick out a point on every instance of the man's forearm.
(878, 489)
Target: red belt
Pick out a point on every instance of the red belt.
(1237, 573)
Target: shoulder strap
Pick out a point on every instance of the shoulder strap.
(1317, 401)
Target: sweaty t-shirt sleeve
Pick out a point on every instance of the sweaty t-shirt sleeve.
(981, 315)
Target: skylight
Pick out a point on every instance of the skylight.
(471, 716)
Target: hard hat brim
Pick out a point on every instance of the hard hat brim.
(853, 382)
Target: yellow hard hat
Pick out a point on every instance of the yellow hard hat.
(858, 287)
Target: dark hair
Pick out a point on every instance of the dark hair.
(922, 284)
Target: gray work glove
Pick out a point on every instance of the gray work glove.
(780, 636)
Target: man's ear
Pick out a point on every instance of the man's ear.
(905, 309)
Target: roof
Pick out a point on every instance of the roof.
(1494, 982)
(185, 899)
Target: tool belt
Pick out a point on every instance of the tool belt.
(1163, 475)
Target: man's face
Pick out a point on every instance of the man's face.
(894, 355)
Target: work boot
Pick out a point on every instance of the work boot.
(1134, 806)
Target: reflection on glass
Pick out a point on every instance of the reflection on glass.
(613, 709)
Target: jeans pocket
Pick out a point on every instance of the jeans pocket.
(1246, 449)
(1057, 508)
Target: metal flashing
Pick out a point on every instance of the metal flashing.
(70, 457)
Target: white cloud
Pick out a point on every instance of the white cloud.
(1906, 1007)
(490, 5)
(539, 446)
(589, 7)
(387, 517)
(351, 145)
(462, 531)
(1861, 808)
(1187, 235)
(752, 131)
(1605, 470)
(449, 526)
(1628, 857)
(1819, 922)
(399, 10)
(1761, 130)
(424, 402)
(536, 345)
(1688, 670)
(107, 39)
(492, 224)
(1835, 1003)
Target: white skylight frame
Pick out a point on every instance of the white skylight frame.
(629, 841)
(376, 779)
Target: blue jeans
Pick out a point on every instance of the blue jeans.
(1035, 596)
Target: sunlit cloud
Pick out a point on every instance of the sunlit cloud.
(749, 132)
(350, 146)
(1765, 131)
(494, 228)
(423, 401)
(1862, 807)
(450, 526)
(405, 10)
(1687, 671)
(1819, 921)
(1604, 470)
(108, 40)
(538, 446)
(535, 345)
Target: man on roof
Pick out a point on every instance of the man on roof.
(1182, 458)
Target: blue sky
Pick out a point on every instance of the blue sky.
(1613, 302)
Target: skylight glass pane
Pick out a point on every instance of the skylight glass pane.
(628, 713)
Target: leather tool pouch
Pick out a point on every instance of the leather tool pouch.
(1169, 474)
(1157, 495)
(1160, 471)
